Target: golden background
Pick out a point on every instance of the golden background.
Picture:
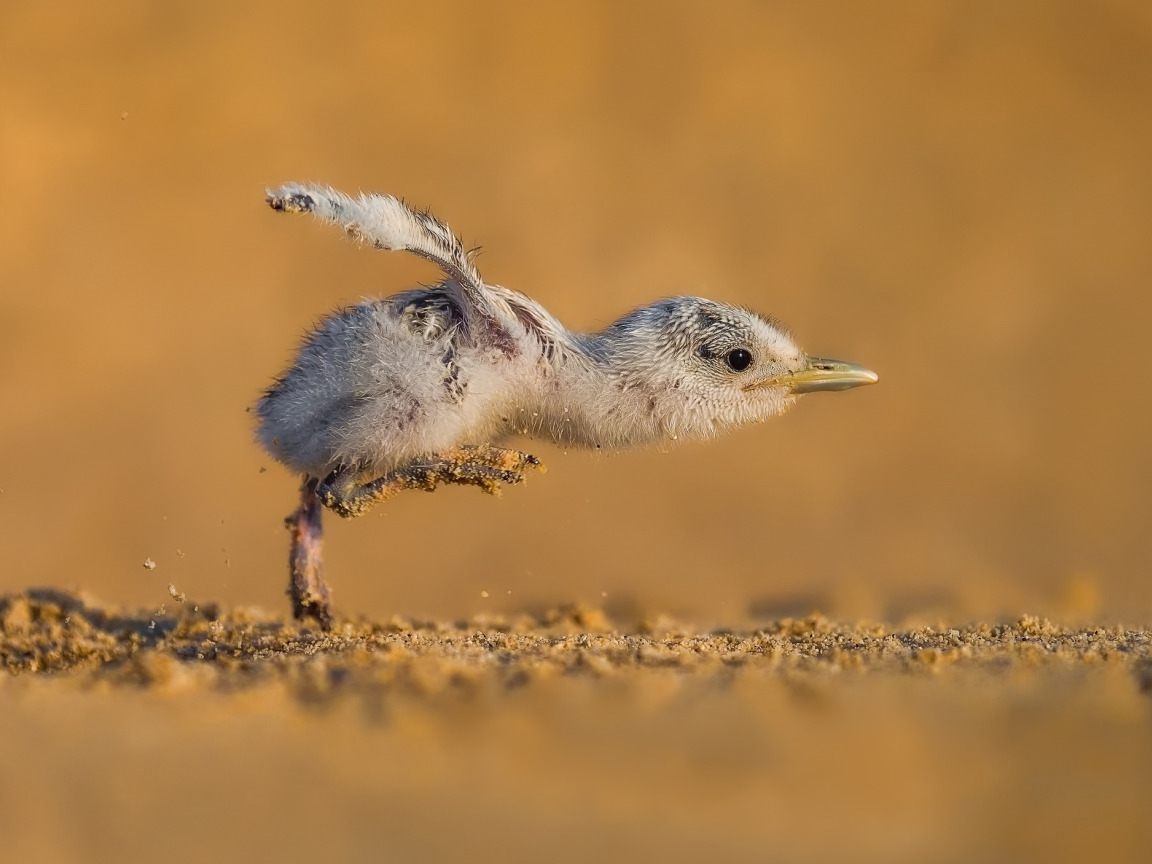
(955, 194)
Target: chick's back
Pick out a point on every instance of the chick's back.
(377, 384)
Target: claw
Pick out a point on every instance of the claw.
(483, 466)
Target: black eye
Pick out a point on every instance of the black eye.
(739, 360)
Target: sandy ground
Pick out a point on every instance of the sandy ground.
(957, 194)
(561, 736)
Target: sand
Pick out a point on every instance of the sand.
(560, 736)
(52, 632)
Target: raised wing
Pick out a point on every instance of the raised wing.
(386, 222)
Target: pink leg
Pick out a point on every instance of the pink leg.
(307, 589)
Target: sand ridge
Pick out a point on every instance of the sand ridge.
(49, 632)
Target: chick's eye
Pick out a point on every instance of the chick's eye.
(739, 360)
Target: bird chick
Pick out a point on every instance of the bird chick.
(422, 387)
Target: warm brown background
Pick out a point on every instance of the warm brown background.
(956, 194)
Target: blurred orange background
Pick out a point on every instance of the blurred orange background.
(956, 194)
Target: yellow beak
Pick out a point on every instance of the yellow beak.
(821, 374)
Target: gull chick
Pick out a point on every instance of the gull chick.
(424, 387)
